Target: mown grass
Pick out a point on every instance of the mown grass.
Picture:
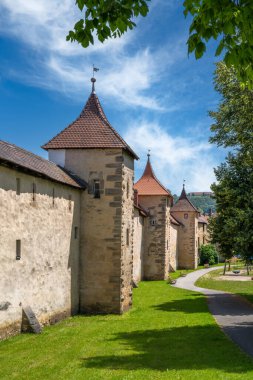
(169, 334)
(211, 281)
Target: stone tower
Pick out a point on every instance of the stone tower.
(187, 214)
(156, 199)
(92, 149)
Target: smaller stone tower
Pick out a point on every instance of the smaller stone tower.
(156, 199)
(187, 214)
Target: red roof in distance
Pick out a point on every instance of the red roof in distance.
(90, 130)
(148, 184)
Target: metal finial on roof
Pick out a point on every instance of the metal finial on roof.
(148, 154)
(183, 193)
(93, 79)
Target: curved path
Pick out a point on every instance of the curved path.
(232, 312)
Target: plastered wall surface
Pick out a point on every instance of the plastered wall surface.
(139, 241)
(46, 276)
(173, 259)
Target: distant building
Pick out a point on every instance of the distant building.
(200, 194)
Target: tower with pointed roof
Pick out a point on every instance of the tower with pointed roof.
(187, 214)
(156, 200)
(92, 149)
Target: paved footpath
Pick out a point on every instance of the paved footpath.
(232, 312)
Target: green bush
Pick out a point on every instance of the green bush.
(208, 254)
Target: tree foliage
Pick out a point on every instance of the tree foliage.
(233, 226)
(230, 22)
(208, 254)
(106, 19)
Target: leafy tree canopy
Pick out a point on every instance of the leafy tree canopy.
(233, 121)
(208, 254)
(233, 127)
(230, 22)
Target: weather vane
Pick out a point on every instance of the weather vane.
(95, 69)
(148, 153)
(184, 183)
(93, 80)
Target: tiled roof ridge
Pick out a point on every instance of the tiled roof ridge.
(78, 182)
(103, 117)
(30, 153)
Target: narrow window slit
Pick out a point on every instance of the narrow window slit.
(70, 202)
(18, 186)
(18, 249)
(96, 189)
(34, 191)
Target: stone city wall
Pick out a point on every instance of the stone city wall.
(47, 226)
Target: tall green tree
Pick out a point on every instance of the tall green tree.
(230, 22)
(232, 229)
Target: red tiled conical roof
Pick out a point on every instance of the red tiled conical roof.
(90, 130)
(148, 184)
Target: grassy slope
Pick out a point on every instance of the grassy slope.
(169, 334)
(242, 288)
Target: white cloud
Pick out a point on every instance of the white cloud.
(59, 65)
(173, 158)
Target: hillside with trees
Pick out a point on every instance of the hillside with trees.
(205, 203)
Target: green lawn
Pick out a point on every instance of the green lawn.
(210, 281)
(169, 334)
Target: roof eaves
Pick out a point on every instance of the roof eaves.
(79, 184)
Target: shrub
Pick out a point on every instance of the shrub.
(208, 254)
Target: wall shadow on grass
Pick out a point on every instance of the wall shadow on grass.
(190, 304)
(191, 348)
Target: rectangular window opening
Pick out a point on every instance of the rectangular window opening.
(34, 191)
(96, 189)
(18, 249)
(53, 197)
(70, 202)
(127, 237)
(18, 186)
(76, 232)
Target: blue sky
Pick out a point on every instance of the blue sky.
(151, 91)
